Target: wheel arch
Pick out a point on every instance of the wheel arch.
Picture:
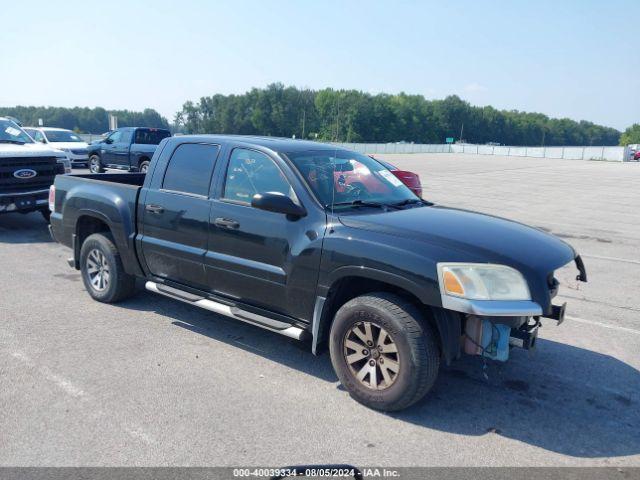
(89, 222)
(358, 281)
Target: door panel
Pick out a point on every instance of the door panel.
(262, 258)
(107, 147)
(120, 149)
(175, 236)
(176, 216)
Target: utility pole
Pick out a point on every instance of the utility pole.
(543, 134)
(461, 131)
(304, 117)
(338, 120)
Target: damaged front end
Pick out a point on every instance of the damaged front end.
(491, 327)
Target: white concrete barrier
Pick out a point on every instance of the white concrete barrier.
(612, 154)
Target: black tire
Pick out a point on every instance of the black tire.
(46, 214)
(95, 164)
(120, 284)
(144, 166)
(417, 355)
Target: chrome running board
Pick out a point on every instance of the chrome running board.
(251, 318)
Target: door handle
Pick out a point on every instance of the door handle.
(226, 223)
(154, 209)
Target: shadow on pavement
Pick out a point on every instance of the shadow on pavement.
(559, 398)
(23, 228)
(270, 345)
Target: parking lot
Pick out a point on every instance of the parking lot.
(155, 382)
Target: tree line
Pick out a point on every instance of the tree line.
(83, 119)
(355, 116)
(343, 116)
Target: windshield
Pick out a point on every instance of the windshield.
(56, 136)
(12, 133)
(342, 179)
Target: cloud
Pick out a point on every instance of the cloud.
(475, 88)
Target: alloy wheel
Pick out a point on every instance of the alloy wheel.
(372, 355)
(98, 270)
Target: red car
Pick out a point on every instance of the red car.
(353, 174)
(636, 155)
(410, 179)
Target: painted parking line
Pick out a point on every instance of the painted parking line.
(613, 259)
(604, 325)
(133, 430)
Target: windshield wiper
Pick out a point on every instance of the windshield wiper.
(411, 201)
(16, 142)
(363, 203)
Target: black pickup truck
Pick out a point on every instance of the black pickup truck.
(126, 148)
(320, 244)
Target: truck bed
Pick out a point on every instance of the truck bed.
(133, 179)
(109, 198)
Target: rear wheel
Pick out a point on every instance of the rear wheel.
(102, 271)
(383, 351)
(95, 164)
(46, 214)
(144, 166)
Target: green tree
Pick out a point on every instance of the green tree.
(631, 135)
(355, 116)
(83, 119)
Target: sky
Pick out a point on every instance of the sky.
(575, 59)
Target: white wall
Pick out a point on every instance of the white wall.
(613, 154)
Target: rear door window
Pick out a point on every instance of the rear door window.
(189, 169)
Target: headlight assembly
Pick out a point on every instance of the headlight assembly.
(482, 281)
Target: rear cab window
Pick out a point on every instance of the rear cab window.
(150, 136)
(190, 168)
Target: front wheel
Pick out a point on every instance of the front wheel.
(103, 275)
(95, 165)
(384, 351)
(144, 166)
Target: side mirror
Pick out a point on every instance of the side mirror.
(43, 141)
(278, 203)
(108, 141)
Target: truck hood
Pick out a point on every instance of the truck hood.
(474, 236)
(28, 150)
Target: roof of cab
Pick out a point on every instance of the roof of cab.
(277, 144)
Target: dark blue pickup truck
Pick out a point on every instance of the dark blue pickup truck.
(316, 243)
(127, 148)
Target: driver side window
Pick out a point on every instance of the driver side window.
(115, 137)
(250, 173)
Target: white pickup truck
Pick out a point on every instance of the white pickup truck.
(27, 170)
